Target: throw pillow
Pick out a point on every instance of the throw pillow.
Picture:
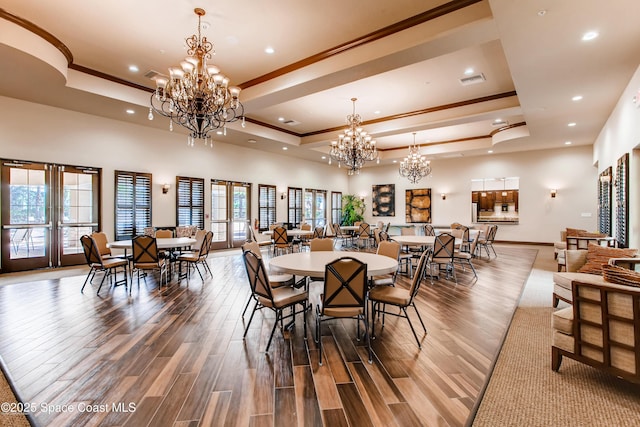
(598, 255)
(620, 275)
(574, 232)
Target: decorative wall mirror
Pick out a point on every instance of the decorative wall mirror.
(495, 200)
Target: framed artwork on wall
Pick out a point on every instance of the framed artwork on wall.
(383, 200)
(418, 205)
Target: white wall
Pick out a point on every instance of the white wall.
(620, 135)
(569, 170)
(40, 133)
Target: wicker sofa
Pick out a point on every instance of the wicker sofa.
(601, 328)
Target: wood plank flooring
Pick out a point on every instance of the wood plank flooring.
(177, 357)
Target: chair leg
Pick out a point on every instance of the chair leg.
(275, 325)
(319, 335)
(89, 275)
(106, 274)
(255, 308)
(404, 310)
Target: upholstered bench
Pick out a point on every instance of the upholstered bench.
(586, 266)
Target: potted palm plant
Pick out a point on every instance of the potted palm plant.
(352, 209)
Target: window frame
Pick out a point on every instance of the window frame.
(267, 206)
(193, 201)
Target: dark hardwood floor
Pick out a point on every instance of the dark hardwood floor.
(177, 357)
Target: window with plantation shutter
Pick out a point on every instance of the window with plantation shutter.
(132, 204)
(190, 201)
(294, 214)
(266, 206)
(315, 209)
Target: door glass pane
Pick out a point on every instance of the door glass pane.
(28, 242)
(240, 214)
(71, 239)
(77, 198)
(28, 196)
(219, 212)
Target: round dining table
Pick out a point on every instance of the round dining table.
(418, 240)
(296, 232)
(313, 263)
(162, 242)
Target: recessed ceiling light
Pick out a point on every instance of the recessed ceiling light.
(281, 119)
(377, 112)
(567, 143)
(269, 50)
(251, 141)
(324, 157)
(133, 68)
(285, 148)
(572, 124)
(577, 98)
(130, 111)
(468, 71)
(542, 12)
(590, 35)
(395, 161)
(490, 151)
(219, 132)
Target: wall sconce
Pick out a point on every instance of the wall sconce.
(165, 188)
(444, 196)
(283, 195)
(554, 192)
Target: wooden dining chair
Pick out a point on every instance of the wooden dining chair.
(196, 257)
(344, 296)
(275, 299)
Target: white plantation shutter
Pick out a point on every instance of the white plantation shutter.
(132, 204)
(266, 205)
(190, 201)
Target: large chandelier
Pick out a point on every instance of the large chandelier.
(354, 146)
(196, 95)
(414, 166)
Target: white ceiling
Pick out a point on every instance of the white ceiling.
(529, 51)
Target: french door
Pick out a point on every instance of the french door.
(45, 210)
(230, 213)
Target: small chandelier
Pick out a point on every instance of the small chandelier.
(354, 146)
(414, 166)
(196, 95)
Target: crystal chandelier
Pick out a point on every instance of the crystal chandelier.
(196, 95)
(414, 166)
(354, 146)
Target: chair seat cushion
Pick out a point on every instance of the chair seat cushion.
(278, 280)
(343, 311)
(390, 295)
(114, 262)
(562, 320)
(284, 296)
(148, 265)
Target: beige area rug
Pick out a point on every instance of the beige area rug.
(8, 415)
(524, 391)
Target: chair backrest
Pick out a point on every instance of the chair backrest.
(318, 232)
(337, 231)
(345, 285)
(306, 226)
(149, 231)
(319, 244)
(328, 232)
(364, 230)
(90, 248)
(376, 235)
(100, 237)
(252, 246)
(458, 233)
(474, 243)
(379, 225)
(384, 236)
(465, 232)
(206, 244)
(492, 233)
(389, 248)
(280, 236)
(386, 229)
(357, 223)
(455, 225)
(444, 246)
(257, 274)
(419, 274)
(145, 250)
(408, 231)
(200, 235)
(163, 234)
(429, 230)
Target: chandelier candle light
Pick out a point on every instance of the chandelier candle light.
(414, 166)
(196, 95)
(354, 146)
